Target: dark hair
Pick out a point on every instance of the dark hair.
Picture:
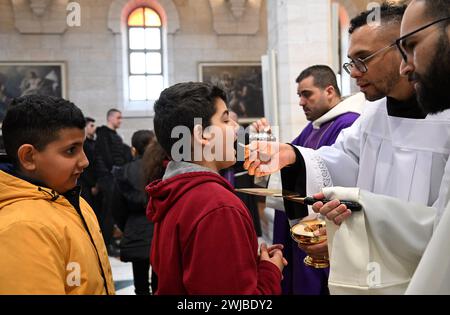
(37, 120)
(89, 120)
(141, 139)
(389, 13)
(153, 162)
(437, 9)
(180, 104)
(323, 76)
(112, 111)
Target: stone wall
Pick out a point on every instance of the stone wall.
(300, 32)
(93, 53)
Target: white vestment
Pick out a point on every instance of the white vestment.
(397, 157)
(377, 250)
(432, 276)
(387, 246)
(352, 104)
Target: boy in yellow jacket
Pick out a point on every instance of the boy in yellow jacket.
(50, 241)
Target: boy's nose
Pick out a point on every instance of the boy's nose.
(83, 162)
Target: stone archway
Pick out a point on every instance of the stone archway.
(119, 10)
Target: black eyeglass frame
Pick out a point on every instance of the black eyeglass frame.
(399, 41)
(363, 68)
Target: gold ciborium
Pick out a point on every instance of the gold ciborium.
(303, 233)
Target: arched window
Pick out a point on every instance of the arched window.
(145, 56)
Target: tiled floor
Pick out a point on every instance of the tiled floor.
(122, 276)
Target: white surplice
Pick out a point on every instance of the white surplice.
(432, 276)
(394, 237)
(396, 157)
(377, 250)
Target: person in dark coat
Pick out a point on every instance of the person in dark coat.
(129, 206)
(88, 179)
(110, 153)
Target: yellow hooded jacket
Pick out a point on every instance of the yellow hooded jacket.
(44, 245)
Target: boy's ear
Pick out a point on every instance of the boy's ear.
(199, 136)
(26, 157)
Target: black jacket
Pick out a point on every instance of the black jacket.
(110, 151)
(128, 208)
(88, 177)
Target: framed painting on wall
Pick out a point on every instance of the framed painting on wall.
(243, 84)
(27, 78)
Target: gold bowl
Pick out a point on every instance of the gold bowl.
(303, 233)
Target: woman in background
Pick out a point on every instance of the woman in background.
(130, 203)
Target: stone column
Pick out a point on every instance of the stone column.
(299, 32)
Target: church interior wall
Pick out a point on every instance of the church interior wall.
(93, 53)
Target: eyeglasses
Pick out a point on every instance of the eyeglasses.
(400, 41)
(361, 64)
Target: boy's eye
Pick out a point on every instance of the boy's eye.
(71, 150)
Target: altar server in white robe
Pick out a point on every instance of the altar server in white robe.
(390, 234)
(392, 148)
(395, 156)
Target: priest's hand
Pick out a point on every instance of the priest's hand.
(274, 255)
(261, 125)
(333, 210)
(318, 251)
(264, 158)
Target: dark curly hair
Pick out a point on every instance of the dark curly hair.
(37, 120)
(389, 13)
(180, 104)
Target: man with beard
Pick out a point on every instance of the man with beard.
(425, 47)
(392, 150)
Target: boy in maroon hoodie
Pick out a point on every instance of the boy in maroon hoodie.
(204, 240)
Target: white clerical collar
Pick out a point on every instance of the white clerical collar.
(352, 104)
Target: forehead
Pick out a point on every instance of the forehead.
(307, 83)
(68, 135)
(414, 17)
(369, 38)
(220, 106)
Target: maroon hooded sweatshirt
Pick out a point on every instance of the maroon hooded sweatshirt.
(204, 240)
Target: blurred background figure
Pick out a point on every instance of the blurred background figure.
(130, 203)
(110, 153)
(88, 180)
